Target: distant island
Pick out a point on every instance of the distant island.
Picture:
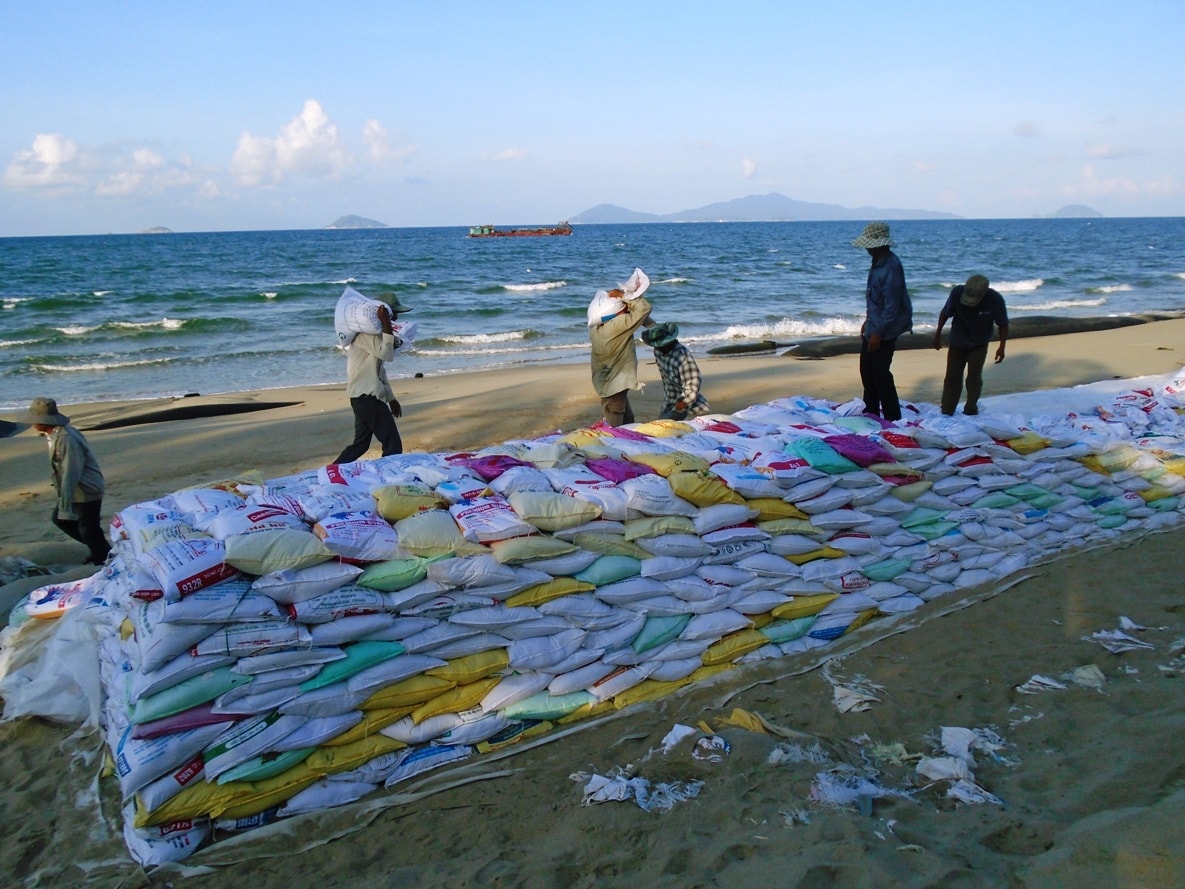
(757, 208)
(356, 222)
(1076, 211)
(157, 230)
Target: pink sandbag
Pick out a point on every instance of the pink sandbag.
(860, 449)
(615, 470)
(619, 432)
(194, 717)
(492, 465)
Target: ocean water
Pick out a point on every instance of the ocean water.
(109, 317)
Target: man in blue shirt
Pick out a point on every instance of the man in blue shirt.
(973, 309)
(889, 313)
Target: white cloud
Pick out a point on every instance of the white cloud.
(1090, 184)
(53, 162)
(307, 145)
(375, 135)
(748, 168)
(1102, 151)
(509, 154)
(921, 166)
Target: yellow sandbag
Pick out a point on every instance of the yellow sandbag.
(1028, 442)
(549, 511)
(548, 590)
(671, 461)
(653, 689)
(373, 721)
(517, 550)
(410, 692)
(771, 509)
(578, 438)
(663, 428)
(587, 711)
(804, 606)
(609, 545)
(455, 700)
(654, 526)
(861, 619)
(911, 492)
(823, 552)
(502, 739)
(895, 469)
(777, 527)
(733, 646)
(463, 670)
(397, 502)
(703, 488)
(238, 799)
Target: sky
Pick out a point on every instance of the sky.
(227, 116)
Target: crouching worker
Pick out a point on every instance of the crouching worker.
(76, 477)
(681, 380)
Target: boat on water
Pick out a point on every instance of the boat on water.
(489, 231)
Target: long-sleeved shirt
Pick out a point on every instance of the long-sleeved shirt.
(614, 352)
(74, 469)
(365, 373)
(889, 310)
(681, 380)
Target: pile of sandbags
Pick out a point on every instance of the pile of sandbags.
(299, 643)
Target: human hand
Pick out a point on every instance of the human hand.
(1000, 354)
(938, 339)
(396, 408)
(874, 342)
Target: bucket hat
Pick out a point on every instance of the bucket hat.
(44, 412)
(661, 335)
(875, 234)
(974, 290)
(392, 300)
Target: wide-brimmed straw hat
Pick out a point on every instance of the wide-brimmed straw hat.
(392, 300)
(44, 412)
(661, 335)
(875, 234)
(974, 290)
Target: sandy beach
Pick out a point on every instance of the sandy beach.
(1092, 793)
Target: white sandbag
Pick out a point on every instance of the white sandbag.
(651, 495)
(538, 653)
(622, 679)
(292, 585)
(390, 671)
(278, 660)
(580, 679)
(354, 314)
(325, 500)
(359, 536)
(346, 601)
(722, 515)
(668, 567)
(583, 610)
(715, 625)
(140, 760)
(487, 519)
(417, 760)
(163, 843)
(158, 642)
(324, 794)
(242, 640)
(182, 567)
(675, 544)
(350, 629)
(247, 518)
(513, 688)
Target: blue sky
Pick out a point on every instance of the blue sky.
(219, 116)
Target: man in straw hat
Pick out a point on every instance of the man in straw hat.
(973, 309)
(613, 318)
(889, 313)
(681, 379)
(76, 476)
(371, 397)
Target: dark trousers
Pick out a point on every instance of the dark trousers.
(958, 361)
(616, 408)
(880, 390)
(372, 417)
(86, 529)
